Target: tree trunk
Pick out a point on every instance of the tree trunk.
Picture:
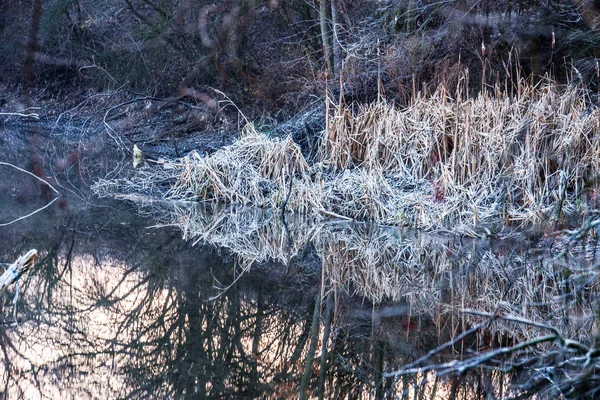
(335, 42)
(410, 16)
(324, 342)
(324, 11)
(36, 13)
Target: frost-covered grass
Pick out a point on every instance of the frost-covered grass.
(444, 160)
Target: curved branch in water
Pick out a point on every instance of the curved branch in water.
(39, 179)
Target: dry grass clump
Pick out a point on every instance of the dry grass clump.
(254, 170)
(371, 195)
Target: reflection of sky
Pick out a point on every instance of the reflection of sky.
(102, 322)
(69, 345)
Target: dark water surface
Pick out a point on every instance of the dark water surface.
(179, 301)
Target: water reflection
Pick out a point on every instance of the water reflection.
(504, 290)
(252, 305)
(121, 312)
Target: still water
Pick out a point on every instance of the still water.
(138, 299)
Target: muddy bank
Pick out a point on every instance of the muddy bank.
(75, 141)
(99, 130)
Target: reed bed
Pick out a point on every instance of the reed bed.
(444, 160)
(486, 157)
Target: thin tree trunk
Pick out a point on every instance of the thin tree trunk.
(326, 331)
(34, 29)
(410, 15)
(335, 42)
(324, 11)
(258, 331)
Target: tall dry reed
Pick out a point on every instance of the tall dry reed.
(485, 157)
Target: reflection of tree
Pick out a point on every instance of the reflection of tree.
(124, 310)
(145, 322)
(443, 286)
(201, 348)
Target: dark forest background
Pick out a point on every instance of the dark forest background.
(273, 57)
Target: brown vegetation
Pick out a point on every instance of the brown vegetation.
(445, 160)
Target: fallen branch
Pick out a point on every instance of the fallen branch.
(14, 272)
(33, 115)
(18, 268)
(39, 209)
